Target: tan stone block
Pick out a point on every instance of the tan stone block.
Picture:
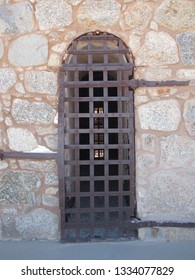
(98, 13)
(152, 74)
(159, 49)
(17, 18)
(53, 14)
(177, 14)
(43, 82)
(28, 50)
(186, 74)
(21, 139)
(189, 116)
(7, 79)
(162, 115)
(176, 151)
(137, 16)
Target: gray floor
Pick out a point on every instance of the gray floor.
(131, 250)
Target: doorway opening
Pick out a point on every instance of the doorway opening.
(97, 170)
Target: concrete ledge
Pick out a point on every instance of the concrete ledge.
(131, 250)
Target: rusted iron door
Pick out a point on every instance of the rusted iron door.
(97, 166)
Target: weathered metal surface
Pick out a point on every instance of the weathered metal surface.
(136, 224)
(25, 155)
(126, 83)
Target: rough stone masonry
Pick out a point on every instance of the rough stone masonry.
(34, 36)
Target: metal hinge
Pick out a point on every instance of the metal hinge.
(134, 83)
(26, 155)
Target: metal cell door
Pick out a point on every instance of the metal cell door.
(97, 181)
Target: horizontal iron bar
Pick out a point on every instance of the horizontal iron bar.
(98, 51)
(98, 178)
(24, 155)
(136, 224)
(105, 147)
(103, 98)
(96, 194)
(144, 83)
(99, 115)
(98, 130)
(97, 162)
(124, 83)
(133, 225)
(97, 36)
(98, 67)
(95, 84)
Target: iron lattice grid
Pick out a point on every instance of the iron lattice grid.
(98, 154)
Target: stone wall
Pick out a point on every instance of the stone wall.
(34, 35)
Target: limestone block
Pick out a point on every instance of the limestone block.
(146, 161)
(8, 220)
(3, 165)
(154, 25)
(74, 2)
(59, 48)
(24, 111)
(176, 151)
(1, 48)
(183, 95)
(186, 43)
(53, 14)
(51, 191)
(20, 88)
(46, 130)
(10, 210)
(46, 165)
(168, 234)
(51, 179)
(148, 142)
(40, 224)
(28, 50)
(189, 116)
(168, 196)
(159, 49)
(21, 139)
(141, 99)
(162, 91)
(17, 18)
(163, 115)
(181, 234)
(41, 149)
(3, 2)
(152, 74)
(17, 187)
(134, 43)
(50, 200)
(41, 82)
(102, 13)
(176, 14)
(7, 79)
(186, 74)
(137, 16)
(54, 60)
(51, 141)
